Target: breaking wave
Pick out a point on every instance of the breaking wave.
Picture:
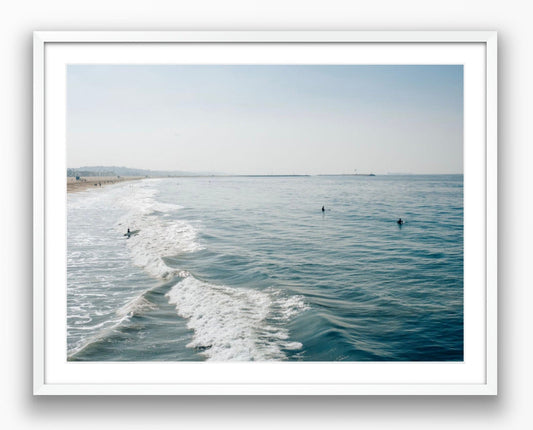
(236, 323)
(158, 236)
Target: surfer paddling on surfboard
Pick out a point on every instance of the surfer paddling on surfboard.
(130, 233)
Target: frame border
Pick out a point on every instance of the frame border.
(41, 38)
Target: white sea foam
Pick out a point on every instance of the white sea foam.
(135, 307)
(159, 236)
(236, 323)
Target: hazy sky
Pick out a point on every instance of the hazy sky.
(267, 119)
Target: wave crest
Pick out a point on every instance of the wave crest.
(236, 323)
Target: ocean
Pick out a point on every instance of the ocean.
(252, 269)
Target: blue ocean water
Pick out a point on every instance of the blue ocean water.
(251, 268)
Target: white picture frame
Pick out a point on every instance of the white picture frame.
(476, 375)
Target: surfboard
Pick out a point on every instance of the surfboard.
(132, 233)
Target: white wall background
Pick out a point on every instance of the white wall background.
(511, 409)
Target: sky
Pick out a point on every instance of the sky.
(267, 119)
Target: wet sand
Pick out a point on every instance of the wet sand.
(84, 183)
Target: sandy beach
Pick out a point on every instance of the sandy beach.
(74, 185)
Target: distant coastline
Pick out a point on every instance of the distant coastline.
(347, 174)
(81, 183)
(83, 178)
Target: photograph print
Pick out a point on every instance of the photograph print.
(264, 213)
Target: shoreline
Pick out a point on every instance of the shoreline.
(86, 182)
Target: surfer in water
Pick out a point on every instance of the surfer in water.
(400, 221)
(323, 209)
(131, 233)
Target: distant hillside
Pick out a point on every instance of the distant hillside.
(126, 171)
